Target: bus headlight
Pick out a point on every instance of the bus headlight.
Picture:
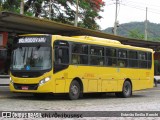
(44, 80)
(11, 81)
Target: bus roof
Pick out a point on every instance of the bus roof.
(97, 38)
(34, 35)
(101, 41)
(94, 40)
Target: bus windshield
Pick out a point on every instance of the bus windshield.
(31, 58)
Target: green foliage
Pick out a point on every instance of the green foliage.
(10, 5)
(135, 33)
(136, 30)
(89, 15)
(61, 10)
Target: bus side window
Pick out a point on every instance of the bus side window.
(142, 60)
(75, 59)
(79, 53)
(62, 55)
(149, 58)
(111, 57)
(97, 55)
(59, 56)
(122, 58)
(121, 63)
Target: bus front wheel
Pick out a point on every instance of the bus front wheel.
(74, 91)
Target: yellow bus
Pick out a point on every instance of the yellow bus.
(79, 64)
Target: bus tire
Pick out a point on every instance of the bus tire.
(155, 82)
(127, 90)
(74, 90)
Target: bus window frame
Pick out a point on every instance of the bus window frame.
(127, 58)
(140, 60)
(122, 62)
(98, 56)
(133, 59)
(111, 57)
(59, 67)
(78, 54)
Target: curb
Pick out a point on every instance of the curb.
(4, 85)
(4, 76)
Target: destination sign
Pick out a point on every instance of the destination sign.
(32, 40)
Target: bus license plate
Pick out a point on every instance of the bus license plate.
(24, 87)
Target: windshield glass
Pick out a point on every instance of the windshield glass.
(31, 58)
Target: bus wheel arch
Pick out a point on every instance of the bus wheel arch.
(126, 89)
(75, 89)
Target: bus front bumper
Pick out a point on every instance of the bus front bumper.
(47, 87)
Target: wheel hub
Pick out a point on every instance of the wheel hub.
(74, 89)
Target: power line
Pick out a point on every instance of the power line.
(110, 4)
(133, 6)
(141, 3)
(154, 33)
(151, 10)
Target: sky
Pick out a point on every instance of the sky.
(129, 11)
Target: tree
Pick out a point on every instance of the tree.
(135, 33)
(61, 10)
(10, 5)
(91, 8)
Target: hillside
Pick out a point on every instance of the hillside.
(136, 30)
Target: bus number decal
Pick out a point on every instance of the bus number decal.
(89, 75)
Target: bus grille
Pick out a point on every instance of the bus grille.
(30, 86)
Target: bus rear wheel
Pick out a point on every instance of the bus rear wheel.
(126, 91)
(74, 91)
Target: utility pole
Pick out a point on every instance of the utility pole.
(50, 7)
(22, 7)
(76, 15)
(145, 31)
(115, 23)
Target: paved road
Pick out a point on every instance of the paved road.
(146, 100)
(141, 100)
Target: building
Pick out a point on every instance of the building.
(19, 24)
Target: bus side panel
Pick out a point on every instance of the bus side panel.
(101, 79)
(140, 79)
(92, 85)
(60, 85)
(109, 82)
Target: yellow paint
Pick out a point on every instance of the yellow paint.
(94, 79)
(60, 85)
